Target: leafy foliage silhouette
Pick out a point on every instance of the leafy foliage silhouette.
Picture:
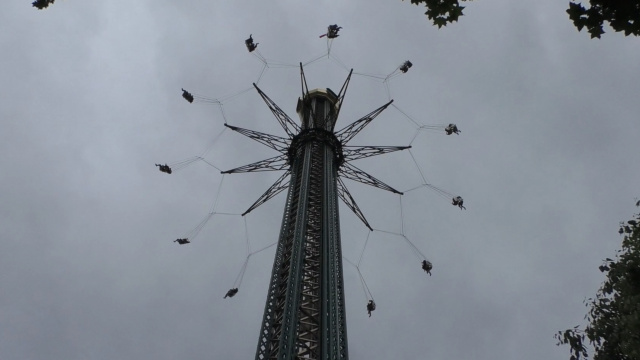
(442, 12)
(614, 315)
(41, 4)
(622, 15)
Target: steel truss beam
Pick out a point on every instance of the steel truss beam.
(348, 200)
(346, 134)
(279, 162)
(305, 96)
(303, 83)
(361, 152)
(275, 142)
(342, 93)
(275, 189)
(289, 126)
(271, 330)
(353, 173)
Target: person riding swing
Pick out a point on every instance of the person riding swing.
(231, 293)
(406, 66)
(249, 43)
(332, 31)
(187, 96)
(164, 168)
(426, 266)
(371, 306)
(452, 129)
(457, 201)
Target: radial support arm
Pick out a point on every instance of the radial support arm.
(348, 200)
(275, 142)
(281, 184)
(346, 134)
(303, 83)
(305, 93)
(353, 173)
(343, 92)
(360, 152)
(289, 126)
(279, 162)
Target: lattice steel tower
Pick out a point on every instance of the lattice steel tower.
(304, 315)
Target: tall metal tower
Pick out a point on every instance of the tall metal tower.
(304, 315)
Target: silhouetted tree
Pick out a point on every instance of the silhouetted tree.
(441, 12)
(41, 4)
(614, 315)
(622, 15)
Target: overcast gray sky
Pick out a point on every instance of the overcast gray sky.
(90, 101)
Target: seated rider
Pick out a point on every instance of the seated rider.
(332, 31)
(457, 201)
(249, 43)
(164, 168)
(231, 293)
(426, 266)
(182, 241)
(406, 66)
(370, 307)
(451, 129)
(187, 95)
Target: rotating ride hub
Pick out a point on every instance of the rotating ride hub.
(318, 128)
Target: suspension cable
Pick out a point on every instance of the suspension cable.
(424, 180)
(238, 280)
(246, 235)
(363, 248)
(215, 203)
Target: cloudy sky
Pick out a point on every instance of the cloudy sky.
(90, 101)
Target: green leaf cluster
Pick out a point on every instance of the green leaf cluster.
(613, 316)
(441, 12)
(622, 15)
